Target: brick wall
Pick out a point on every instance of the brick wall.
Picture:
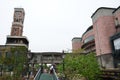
(76, 43)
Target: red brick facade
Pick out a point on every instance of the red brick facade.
(76, 43)
(104, 27)
(18, 19)
(106, 23)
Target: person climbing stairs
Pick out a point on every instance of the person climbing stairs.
(43, 74)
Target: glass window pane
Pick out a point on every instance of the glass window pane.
(89, 39)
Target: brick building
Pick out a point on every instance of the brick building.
(102, 35)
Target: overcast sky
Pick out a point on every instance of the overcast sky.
(50, 25)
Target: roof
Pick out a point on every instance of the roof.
(46, 52)
(19, 9)
(20, 37)
(77, 38)
(88, 29)
(102, 8)
(116, 9)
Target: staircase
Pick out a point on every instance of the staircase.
(45, 76)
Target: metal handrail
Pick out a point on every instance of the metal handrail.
(56, 78)
(37, 75)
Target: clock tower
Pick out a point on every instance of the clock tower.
(16, 38)
(18, 19)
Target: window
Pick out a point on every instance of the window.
(89, 39)
(17, 20)
(117, 43)
(15, 31)
(116, 21)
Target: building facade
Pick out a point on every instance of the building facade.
(104, 27)
(101, 35)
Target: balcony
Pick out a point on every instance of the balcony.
(89, 46)
(17, 41)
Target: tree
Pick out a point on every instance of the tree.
(83, 64)
(13, 59)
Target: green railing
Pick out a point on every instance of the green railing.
(37, 77)
(54, 75)
(42, 76)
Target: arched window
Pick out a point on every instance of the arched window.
(116, 22)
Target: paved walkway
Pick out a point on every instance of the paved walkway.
(46, 76)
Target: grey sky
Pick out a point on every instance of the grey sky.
(50, 25)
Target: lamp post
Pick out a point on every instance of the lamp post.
(63, 56)
(63, 63)
(0, 69)
(41, 63)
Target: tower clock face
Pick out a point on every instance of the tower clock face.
(18, 14)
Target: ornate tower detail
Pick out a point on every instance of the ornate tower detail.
(18, 20)
(16, 38)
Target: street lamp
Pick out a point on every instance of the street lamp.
(41, 63)
(0, 69)
(63, 56)
(63, 62)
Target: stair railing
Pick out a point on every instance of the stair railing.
(55, 75)
(37, 76)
